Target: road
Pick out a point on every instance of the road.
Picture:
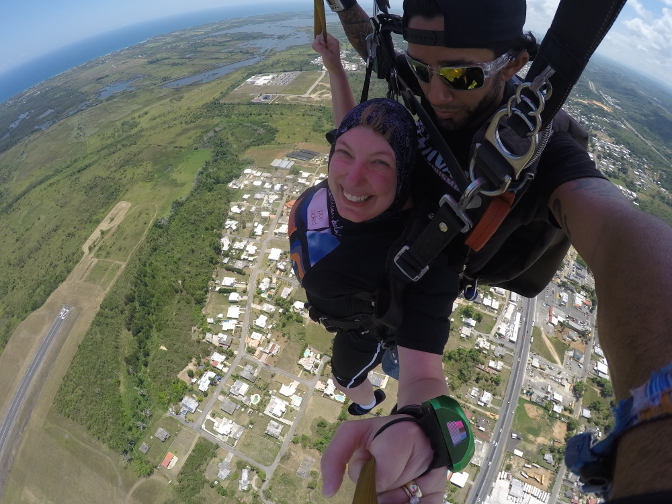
(18, 403)
(491, 463)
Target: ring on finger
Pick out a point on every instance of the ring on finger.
(413, 491)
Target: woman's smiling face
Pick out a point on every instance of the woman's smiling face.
(362, 174)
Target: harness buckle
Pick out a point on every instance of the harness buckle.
(459, 211)
(410, 276)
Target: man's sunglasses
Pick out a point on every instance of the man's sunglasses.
(459, 78)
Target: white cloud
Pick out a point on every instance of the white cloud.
(640, 9)
(655, 35)
(540, 14)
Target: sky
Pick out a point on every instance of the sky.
(641, 37)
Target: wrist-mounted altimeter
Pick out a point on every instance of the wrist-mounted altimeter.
(444, 422)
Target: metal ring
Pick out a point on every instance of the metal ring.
(413, 491)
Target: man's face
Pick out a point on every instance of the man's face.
(455, 110)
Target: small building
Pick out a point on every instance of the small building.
(239, 388)
(288, 390)
(233, 313)
(274, 255)
(585, 413)
(144, 447)
(267, 308)
(274, 429)
(224, 470)
(485, 399)
(234, 297)
(459, 479)
(244, 482)
(228, 406)
(167, 460)
(224, 340)
(162, 434)
(548, 458)
(248, 373)
(190, 404)
(261, 321)
(277, 407)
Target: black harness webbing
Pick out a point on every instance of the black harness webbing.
(577, 29)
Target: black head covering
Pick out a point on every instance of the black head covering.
(470, 24)
(398, 126)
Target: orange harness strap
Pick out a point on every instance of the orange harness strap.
(492, 218)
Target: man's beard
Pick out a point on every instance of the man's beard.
(475, 114)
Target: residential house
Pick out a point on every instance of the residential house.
(274, 429)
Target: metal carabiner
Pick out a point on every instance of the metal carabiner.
(518, 163)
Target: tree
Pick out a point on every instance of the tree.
(579, 389)
(606, 390)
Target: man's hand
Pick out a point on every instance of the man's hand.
(330, 52)
(402, 453)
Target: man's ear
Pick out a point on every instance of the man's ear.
(513, 67)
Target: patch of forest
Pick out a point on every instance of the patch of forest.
(126, 367)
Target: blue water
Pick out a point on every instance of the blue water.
(29, 74)
(111, 89)
(211, 75)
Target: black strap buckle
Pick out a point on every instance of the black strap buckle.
(459, 212)
(413, 276)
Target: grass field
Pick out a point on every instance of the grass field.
(262, 448)
(560, 347)
(118, 245)
(318, 337)
(536, 426)
(289, 357)
(62, 449)
(539, 346)
(157, 448)
(302, 83)
(486, 324)
(103, 273)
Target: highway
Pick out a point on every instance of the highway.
(18, 402)
(491, 464)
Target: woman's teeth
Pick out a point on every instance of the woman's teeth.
(355, 199)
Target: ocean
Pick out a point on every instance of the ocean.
(29, 74)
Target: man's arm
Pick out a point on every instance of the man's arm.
(357, 26)
(630, 255)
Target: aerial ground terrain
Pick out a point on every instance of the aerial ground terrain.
(144, 202)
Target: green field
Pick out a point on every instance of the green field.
(534, 423)
(486, 324)
(261, 447)
(118, 245)
(539, 346)
(302, 83)
(560, 347)
(319, 338)
(102, 273)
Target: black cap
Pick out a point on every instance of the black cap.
(470, 24)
